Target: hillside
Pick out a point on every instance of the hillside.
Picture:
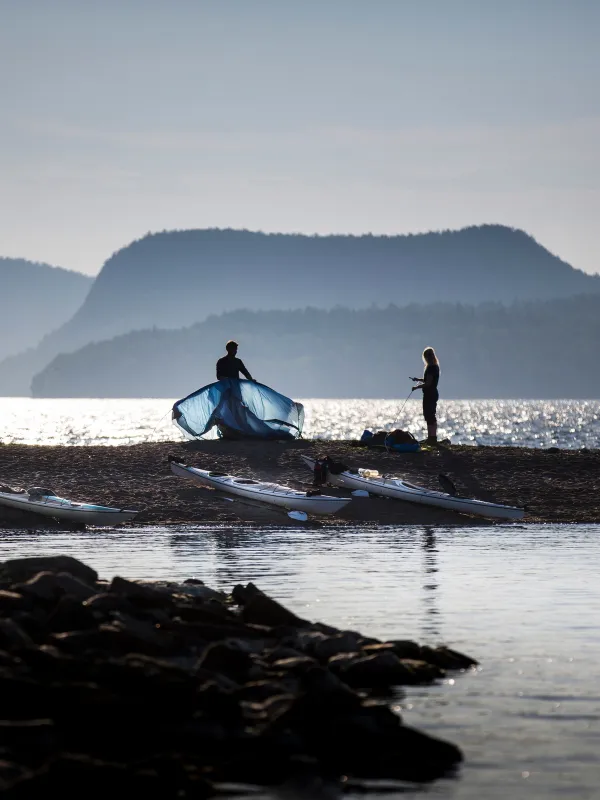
(174, 279)
(527, 350)
(36, 299)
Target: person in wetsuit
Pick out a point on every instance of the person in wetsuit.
(230, 365)
(429, 384)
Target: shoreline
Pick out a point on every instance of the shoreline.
(553, 486)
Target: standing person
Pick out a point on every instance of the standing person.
(429, 383)
(230, 365)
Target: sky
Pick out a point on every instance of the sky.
(320, 116)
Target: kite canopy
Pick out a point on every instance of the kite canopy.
(239, 410)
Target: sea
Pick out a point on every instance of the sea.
(570, 424)
(524, 600)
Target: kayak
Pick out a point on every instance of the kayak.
(46, 503)
(398, 489)
(261, 491)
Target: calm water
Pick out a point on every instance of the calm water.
(531, 423)
(523, 600)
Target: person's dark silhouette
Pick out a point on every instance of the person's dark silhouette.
(429, 384)
(230, 365)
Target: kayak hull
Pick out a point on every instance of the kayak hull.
(67, 510)
(261, 491)
(402, 490)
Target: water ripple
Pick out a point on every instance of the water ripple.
(523, 600)
(529, 423)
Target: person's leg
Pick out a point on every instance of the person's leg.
(429, 412)
(432, 430)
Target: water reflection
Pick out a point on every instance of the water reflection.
(431, 617)
(312, 565)
(522, 599)
(238, 555)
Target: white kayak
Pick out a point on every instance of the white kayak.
(402, 490)
(262, 492)
(44, 502)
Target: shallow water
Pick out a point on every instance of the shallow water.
(525, 601)
(530, 423)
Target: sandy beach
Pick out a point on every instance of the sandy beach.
(561, 486)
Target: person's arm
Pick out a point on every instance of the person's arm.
(244, 371)
(425, 382)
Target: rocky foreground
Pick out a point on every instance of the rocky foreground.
(552, 485)
(160, 690)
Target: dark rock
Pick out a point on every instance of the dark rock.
(259, 691)
(323, 696)
(346, 642)
(14, 601)
(130, 635)
(34, 738)
(379, 671)
(106, 602)
(328, 630)
(211, 613)
(22, 697)
(226, 657)
(374, 649)
(269, 710)
(243, 594)
(140, 595)
(9, 773)
(213, 701)
(33, 623)
(71, 615)
(371, 742)
(13, 636)
(49, 663)
(281, 652)
(161, 684)
(262, 610)
(79, 642)
(42, 586)
(115, 638)
(294, 666)
(200, 633)
(446, 658)
(405, 648)
(70, 776)
(75, 587)
(21, 569)
(8, 659)
(198, 592)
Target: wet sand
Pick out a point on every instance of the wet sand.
(559, 486)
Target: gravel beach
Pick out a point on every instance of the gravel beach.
(553, 486)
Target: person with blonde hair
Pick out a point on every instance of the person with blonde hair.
(429, 384)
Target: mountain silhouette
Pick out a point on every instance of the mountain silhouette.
(27, 314)
(527, 350)
(174, 279)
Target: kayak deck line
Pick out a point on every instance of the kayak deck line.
(63, 509)
(270, 493)
(398, 489)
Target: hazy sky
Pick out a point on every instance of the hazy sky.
(118, 118)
